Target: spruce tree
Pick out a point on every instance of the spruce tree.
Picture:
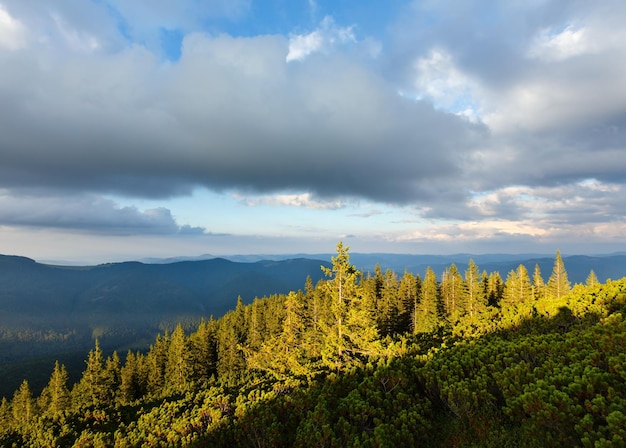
(55, 398)
(558, 284)
(518, 288)
(540, 290)
(425, 315)
(130, 385)
(23, 406)
(452, 292)
(177, 368)
(423, 320)
(409, 291)
(475, 301)
(203, 351)
(388, 310)
(495, 288)
(350, 332)
(592, 280)
(91, 390)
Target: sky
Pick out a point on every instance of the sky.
(136, 128)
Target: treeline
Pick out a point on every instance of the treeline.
(467, 359)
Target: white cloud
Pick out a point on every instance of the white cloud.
(305, 200)
(12, 32)
(551, 46)
(439, 79)
(323, 39)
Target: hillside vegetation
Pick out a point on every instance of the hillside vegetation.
(469, 360)
(48, 309)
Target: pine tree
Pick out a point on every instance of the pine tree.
(55, 398)
(592, 280)
(177, 368)
(388, 310)
(425, 315)
(23, 407)
(155, 362)
(230, 339)
(539, 287)
(6, 417)
(91, 390)
(256, 329)
(351, 331)
(495, 288)
(130, 384)
(475, 301)
(112, 371)
(452, 292)
(518, 288)
(409, 291)
(286, 354)
(558, 284)
(203, 351)
(423, 320)
(372, 292)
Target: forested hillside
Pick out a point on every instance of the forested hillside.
(58, 309)
(468, 359)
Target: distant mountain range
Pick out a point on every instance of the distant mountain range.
(193, 287)
(578, 266)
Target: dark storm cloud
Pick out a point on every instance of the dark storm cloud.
(230, 114)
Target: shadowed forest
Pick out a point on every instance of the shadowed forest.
(470, 359)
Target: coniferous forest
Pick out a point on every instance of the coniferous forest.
(464, 358)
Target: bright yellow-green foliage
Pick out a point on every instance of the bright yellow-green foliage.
(358, 361)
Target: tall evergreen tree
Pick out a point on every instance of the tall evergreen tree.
(592, 280)
(388, 310)
(177, 369)
(256, 328)
(452, 292)
(23, 406)
(518, 288)
(351, 331)
(475, 300)
(6, 417)
(230, 338)
(558, 284)
(423, 320)
(130, 380)
(112, 371)
(286, 354)
(426, 314)
(409, 291)
(540, 290)
(495, 288)
(55, 398)
(203, 351)
(154, 364)
(92, 389)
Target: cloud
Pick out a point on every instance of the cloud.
(323, 39)
(306, 200)
(87, 104)
(230, 114)
(86, 213)
(11, 31)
